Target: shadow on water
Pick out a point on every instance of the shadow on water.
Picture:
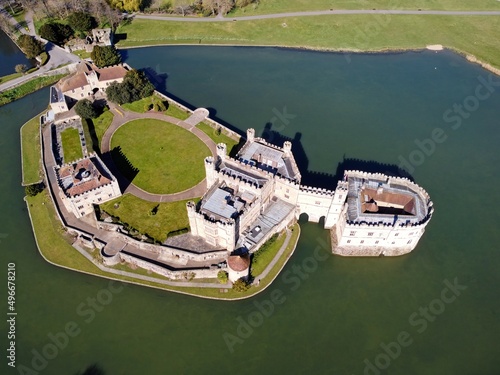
(117, 161)
(94, 369)
(158, 79)
(322, 179)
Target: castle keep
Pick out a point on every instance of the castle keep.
(259, 193)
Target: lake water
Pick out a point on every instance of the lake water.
(332, 314)
(10, 56)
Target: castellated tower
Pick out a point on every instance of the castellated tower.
(191, 211)
(221, 150)
(287, 148)
(210, 171)
(250, 135)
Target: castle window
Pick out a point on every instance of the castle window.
(362, 241)
(376, 242)
(370, 234)
(81, 94)
(397, 234)
(353, 233)
(393, 242)
(287, 196)
(409, 242)
(348, 241)
(317, 202)
(109, 195)
(99, 199)
(411, 234)
(80, 207)
(287, 190)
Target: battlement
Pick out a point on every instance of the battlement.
(317, 191)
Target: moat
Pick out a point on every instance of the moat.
(373, 109)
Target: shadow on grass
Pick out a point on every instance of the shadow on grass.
(120, 166)
(93, 369)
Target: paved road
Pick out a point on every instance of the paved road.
(122, 116)
(321, 13)
(57, 55)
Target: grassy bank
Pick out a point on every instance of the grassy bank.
(143, 105)
(218, 137)
(280, 6)
(10, 77)
(469, 34)
(30, 143)
(28, 88)
(54, 244)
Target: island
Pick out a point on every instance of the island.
(242, 207)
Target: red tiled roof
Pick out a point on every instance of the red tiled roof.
(238, 263)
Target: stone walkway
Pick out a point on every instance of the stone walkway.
(122, 116)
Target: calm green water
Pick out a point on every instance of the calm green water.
(339, 313)
(10, 56)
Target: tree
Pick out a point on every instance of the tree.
(85, 109)
(128, 5)
(31, 46)
(135, 86)
(105, 56)
(81, 21)
(56, 32)
(222, 276)
(34, 189)
(20, 68)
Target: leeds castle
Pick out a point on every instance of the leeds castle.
(259, 193)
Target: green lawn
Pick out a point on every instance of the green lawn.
(102, 123)
(82, 54)
(265, 254)
(137, 213)
(30, 141)
(218, 138)
(281, 6)
(27, 88)
(140, 107)
(71, 145)
(475, 35)
(168, 157)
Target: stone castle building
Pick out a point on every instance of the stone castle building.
(85, 182)
(87, 81)
(259, 193)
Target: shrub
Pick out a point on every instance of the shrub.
(31, 46)
(177, 232)
(222, 277)
(44, 57)
(135, 86)
(240, 285)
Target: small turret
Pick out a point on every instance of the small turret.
(221, 150)
(250, 135)
(287, 148)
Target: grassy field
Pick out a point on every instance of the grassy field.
(474, 35)
(281, 6)
(138, 214)
(140, 107)
(27, 88)
(71, 145)
(217, 138)
(168, 157)
(30, 140)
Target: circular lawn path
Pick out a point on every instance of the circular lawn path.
(159, 157)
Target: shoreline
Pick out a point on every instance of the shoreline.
(468, 56)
